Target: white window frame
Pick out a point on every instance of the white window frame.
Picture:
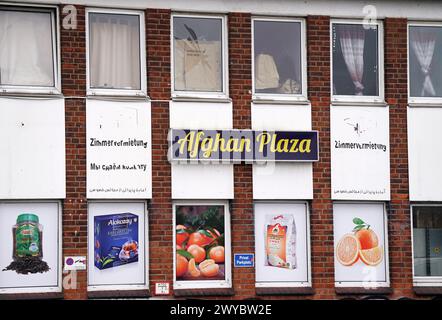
(116, 287)
(421, 281)
(51, 289)
(142, 92)
(206, 284)
(420, 101)
(202, 95)
(372, 284)
(55, 36)
(350, 99)
(303, 97)
(289, 284)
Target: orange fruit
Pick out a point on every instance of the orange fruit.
(367, 238)
(213, 236)
(217, 254)
(209, 268)
(193, 270)
(181, 234)
(372, 257)
(181, 265)
(198, 239)
(198, 253)
(347, 250)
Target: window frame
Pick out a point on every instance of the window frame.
(206, 284)
(142, 92)
(422, 281)
(55, 40)
(303, 97)
(288, 284)
(204, 95)
(419, 101)
(353, 99)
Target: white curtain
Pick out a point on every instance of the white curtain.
(352, 45)
(114, 51)
(423, 44)
(26, 56)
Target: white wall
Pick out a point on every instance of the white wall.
(32, 149)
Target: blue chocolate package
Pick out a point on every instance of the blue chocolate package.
(115, 240)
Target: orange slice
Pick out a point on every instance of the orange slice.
(347, 250)
(193, 270)
(372, 257)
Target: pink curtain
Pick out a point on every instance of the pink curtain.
(423, 44)
(352, 46)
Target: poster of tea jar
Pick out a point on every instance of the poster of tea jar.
(281, 244)
(361, 246)
(30, 246)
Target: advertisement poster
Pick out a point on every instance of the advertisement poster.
(202, 248)
(117, 248)
(282, 245)
(361, 245)
(118, 150)
(360, 153)
(29, 242)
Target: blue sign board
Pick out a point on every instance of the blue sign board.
(244, 260)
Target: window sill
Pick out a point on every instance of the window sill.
(275, 100)
(301, 291)
(359, 103)
(32, 296)
(427, 291)
(363, 291)
(115, 97)
(203, 292)
(43, 94)
(119, 294)
(201, 98)
(423, 104)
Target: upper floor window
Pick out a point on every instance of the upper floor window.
(116, 52)
(357, 61)
(425, 62)
(28, 50)
(279, 67)
(199, 56)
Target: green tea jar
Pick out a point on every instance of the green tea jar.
(28, 236)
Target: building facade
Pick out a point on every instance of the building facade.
(220, 149)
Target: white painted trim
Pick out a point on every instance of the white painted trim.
(142, 92)
(110, 287)
(276, 97)
(420, 101)
(380, 99)
(59, 287)
(289, 284)
(421, 281)
(374, 284)
(198, 95)
(55, 37)
(206, 284)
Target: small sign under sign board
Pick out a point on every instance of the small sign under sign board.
(244, 260)
(162, 289)
(74, 263)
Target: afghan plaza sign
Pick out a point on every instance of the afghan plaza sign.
(229, 146)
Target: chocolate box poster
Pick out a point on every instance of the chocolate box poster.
(227, 146)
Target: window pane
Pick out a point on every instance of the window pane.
(277, 53)
(114, 51)
(427, 241)
(198, 54)
(425, 52)
(26, 55)
(355, 60)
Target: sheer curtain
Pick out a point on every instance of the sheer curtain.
(26, 56)
(114, 51)
(352, 45)
(423, 44)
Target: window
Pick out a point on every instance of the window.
(116, 53)
(202, 245)
(357, 70)
(425, 62)
(28, 52)
(427, 243)
(279, 59)
(199, 56)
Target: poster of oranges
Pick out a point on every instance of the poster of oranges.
(360, 242)
(199, 242)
